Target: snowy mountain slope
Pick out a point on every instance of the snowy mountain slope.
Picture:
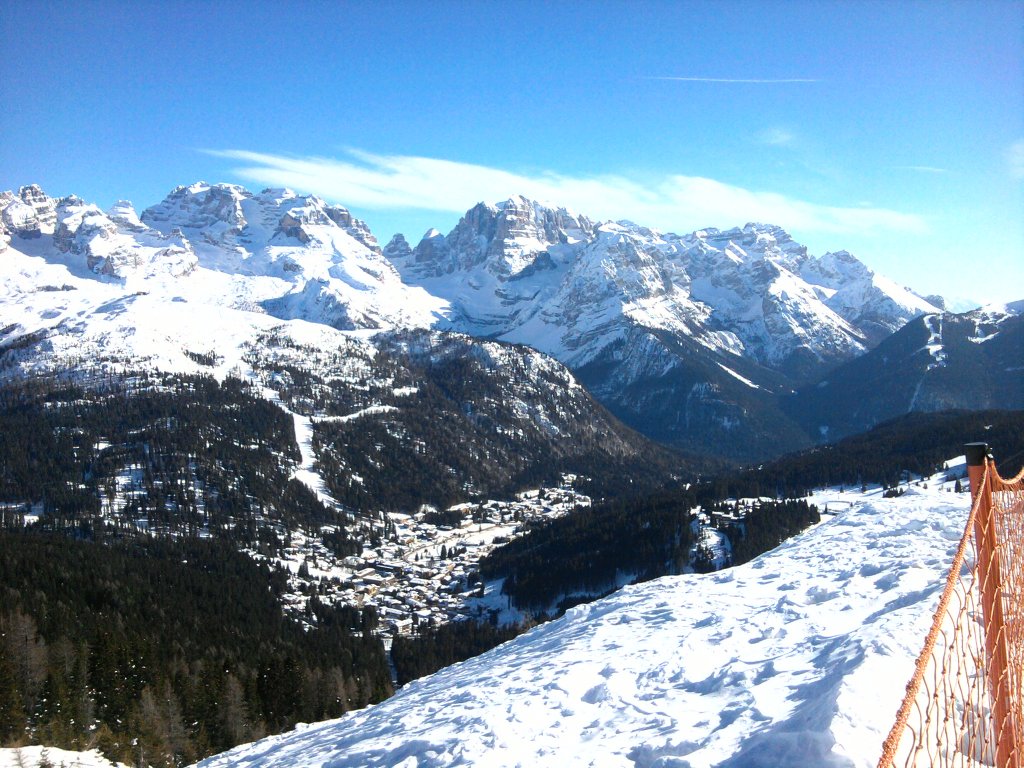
(291, 257)
(105, 296)
(36, 757)
(333, 265)
(750, 301)
(875, 305)
(797, 658)
(936, 362)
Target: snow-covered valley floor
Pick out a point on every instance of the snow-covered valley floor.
(798, 658)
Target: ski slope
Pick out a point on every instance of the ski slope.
(799, 658)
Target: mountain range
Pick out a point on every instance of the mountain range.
(736, 344)
(256, 368)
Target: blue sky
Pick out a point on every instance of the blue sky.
(892, 129)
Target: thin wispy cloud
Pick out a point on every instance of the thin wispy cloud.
(775, 137)
(739, 80)
(670, 202)
(921, 169)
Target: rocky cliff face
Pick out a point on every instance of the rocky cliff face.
(30, 213)
(724, 317)
(115, 245)
(505, 240)
(44, 207)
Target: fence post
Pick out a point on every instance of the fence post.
(990, 586)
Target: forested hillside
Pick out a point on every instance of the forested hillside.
(917, 443)
(166, 650)
(168, 455)
(592, 551)
(137, 518)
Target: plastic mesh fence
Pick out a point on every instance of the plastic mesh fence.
(964, 704)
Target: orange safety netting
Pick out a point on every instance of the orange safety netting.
(965, 705)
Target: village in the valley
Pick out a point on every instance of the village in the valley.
(424, 571)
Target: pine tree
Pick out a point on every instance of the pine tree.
(12, 713)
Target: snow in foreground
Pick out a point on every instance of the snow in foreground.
(799, 658)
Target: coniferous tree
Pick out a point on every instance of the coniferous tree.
(12, 712)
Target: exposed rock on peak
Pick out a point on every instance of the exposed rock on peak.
(30, 213)
(216, 208)
(835, 269)
(119, 247)
(316, 211)
(430, 257)
(507, 239)
(355, 227)
(397, 249)
(20, 218)
(44, 206)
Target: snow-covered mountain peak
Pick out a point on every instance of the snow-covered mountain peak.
(532, 273)
(749, 243)
(278, 193)
(29, 213)
(506, 239)
(124, 213)
(20, 217)
(276, 252)
(397, 249)
(119, 246)
(43, 205)
(835, 268)
(872, 302)
(215, 208)
(73, 215)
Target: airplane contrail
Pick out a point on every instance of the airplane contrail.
(738, 79)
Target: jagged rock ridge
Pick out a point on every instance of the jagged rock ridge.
(688, 338)
(693, 339)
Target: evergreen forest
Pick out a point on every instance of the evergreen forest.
(162, 651)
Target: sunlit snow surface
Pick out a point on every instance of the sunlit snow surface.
(798, 658)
